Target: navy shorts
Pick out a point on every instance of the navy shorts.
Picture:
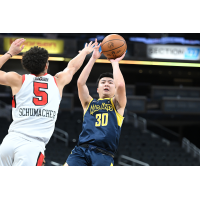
(81, 156)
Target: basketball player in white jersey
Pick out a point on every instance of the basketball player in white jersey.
(36, 99)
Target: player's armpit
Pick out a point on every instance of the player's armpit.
(11, 79)
(120, 95)
(118, 108)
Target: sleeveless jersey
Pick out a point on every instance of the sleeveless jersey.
(101, 125)
(35, 107)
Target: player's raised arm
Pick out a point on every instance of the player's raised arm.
(83, 91)
(11, 78)
(120, 95)
(65, 77)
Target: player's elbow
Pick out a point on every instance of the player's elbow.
(73, 66)
(80, 82)
(121, 86)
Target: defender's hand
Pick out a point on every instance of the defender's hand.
(15, 47)
(117, 59)
(88, 48)
(96, 54)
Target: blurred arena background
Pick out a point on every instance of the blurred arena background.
(162, 116)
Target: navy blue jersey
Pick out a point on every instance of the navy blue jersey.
(101, 125)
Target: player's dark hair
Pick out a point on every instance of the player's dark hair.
(35, 59)
(106, 74)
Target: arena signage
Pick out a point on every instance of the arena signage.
(52, 46)
(173, 52)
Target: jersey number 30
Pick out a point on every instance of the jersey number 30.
(102, 119)
(41, 98)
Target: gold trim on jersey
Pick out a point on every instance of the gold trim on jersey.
(103, 99)
(111, 164)
(119, 117)
(87, 107)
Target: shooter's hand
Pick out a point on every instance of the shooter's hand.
(117, 59)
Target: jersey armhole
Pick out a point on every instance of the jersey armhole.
(87, 107)
(14, 101)
(55, 81)
(57, 86)
(120, 118)
(23, 78)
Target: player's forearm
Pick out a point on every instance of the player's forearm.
(4, 59)
(86, 72)
(77, 62)
(117, 75)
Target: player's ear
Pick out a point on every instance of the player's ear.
(97, 90)
(47, 66)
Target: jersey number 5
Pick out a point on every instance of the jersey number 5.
(102, 119)
(41, 98)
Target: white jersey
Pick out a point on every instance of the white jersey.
(35, 108)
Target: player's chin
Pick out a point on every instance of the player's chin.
(107, 95)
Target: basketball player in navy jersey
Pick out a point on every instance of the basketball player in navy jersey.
(103, 117)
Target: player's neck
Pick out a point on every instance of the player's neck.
(41, 74)
(105, 97)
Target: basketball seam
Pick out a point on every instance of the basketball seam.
(114, 49)
(112, 40)
(123, 52)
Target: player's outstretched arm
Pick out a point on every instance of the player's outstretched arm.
(11, 79)
(83, 91)
(120, 95)
(65, 77)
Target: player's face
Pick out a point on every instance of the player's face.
(106, 88)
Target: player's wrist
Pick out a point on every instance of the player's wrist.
(86, 52)
(9, 53)
(93, 59)
(115, 63)
(83, 52)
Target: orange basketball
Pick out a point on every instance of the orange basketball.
(113, 46)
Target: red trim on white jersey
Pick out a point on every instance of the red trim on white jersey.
(55, 81)
(40, 159)
(14, 102)
(23, 78)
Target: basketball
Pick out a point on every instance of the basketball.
(113, 46)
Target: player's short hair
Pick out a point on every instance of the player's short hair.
(106, 74)
(35, 59)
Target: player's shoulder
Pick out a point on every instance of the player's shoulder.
(13, 77)
(13, 74)
(115, 103)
